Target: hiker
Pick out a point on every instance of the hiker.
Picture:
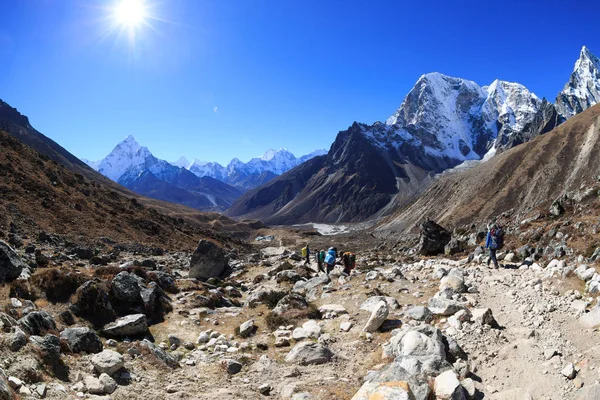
(493, 242)
(306, 255)
(349, 262)
(330, 259)
(320, 256)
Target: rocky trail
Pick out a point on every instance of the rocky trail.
(139, 324)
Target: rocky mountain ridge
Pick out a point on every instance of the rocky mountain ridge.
(130, 157)
(444, 122)
(583, 89)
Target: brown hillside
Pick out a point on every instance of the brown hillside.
(520, 179)
(38, 194)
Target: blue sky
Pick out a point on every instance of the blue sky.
(217, 79)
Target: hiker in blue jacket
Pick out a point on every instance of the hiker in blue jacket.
(493, 242)
(330, 259)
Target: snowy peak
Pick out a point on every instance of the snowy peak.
(583, 89)
(127, 155)
(455, 118)
(272, 153)
(182, 162)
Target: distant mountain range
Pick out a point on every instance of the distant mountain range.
(443, 122)
(202, 185)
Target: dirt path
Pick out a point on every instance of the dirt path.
(517, 362)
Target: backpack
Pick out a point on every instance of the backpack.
(497, 236)
(304, 251)
(500, 238)
(322, 255)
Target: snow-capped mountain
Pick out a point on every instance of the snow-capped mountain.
(457, 119)
(181, 163)
(129, 159)
(374, 169)
(134, 167)
(252, 173)
(583, 89)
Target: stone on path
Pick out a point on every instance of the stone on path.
(377, 318)
(130, 325)
(108, 362)
(309, 353)
(208, 261)
(399, 390)
(447, 386)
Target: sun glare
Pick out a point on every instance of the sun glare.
(131, 13)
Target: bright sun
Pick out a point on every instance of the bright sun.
(131, 13)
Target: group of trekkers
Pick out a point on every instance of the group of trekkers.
(326, 260)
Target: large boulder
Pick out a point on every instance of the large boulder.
(292, 301)
(433, 238)
(398, 390)
(108, 362)
(378, 316)
(439, 305)
(126, 287)
(11, 264)
(92, 302)
(447, 387)
(130, 325)
(420, 350)
(82, 340)
(208, 261)
(371, 303)
(309, 353)
(395, 373)
(37, 323)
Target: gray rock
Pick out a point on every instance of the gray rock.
(442, 306)
(108, 362)
(398, 390)
(92, 302)
(93, 385)
(11, 264)
(231, 366)
(168, 359)
(247, 328)
(208, 261)
(433, 239)
(126, 287)
(377, 317)
(569, 371)
(292, 301)
(447, 386)
(288, 276)
(7, 322)
(82, 340)
(484, 316)
(37, 323)
(16, 340)
(419, 350)
(309, 353)
(5, 392)
(130, 325)
(395, 373)
(49, 347)
(371, 303)
(420, 313)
